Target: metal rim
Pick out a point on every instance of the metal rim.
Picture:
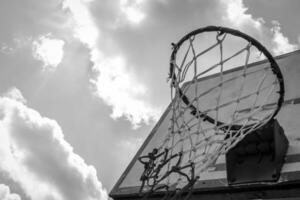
(273, 64)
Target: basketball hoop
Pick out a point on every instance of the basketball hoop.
(206, 122)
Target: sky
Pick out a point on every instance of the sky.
(83, 82)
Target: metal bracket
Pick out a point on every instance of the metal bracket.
(259, 157)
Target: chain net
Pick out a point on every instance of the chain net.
(207, 120)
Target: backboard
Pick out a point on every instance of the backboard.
(213, 182)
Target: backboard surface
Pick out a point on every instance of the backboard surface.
(214, 180)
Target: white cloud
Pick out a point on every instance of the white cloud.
(119, 89)
(6, 49)
(5, 193)
(83, 26)
(281, 42)
(48, 50)
(19, 43)
(235, 15)
(113, 82)
(35, 155)
(15, 93)
(133, 10)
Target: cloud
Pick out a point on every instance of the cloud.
(119, 89)
(48, 50)
(235, 12)
(6, 49)
(15, 93)
(83, 26)
(132, 9)
(35, 155)
(113, 82)
(5, 193)
(17, 44)
(115, 45)
(235, 15)
(281, 43)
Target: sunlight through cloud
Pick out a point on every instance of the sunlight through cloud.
(83, 26)
(133, 10)
(119, 89)
(112, 81)
(49, 51)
